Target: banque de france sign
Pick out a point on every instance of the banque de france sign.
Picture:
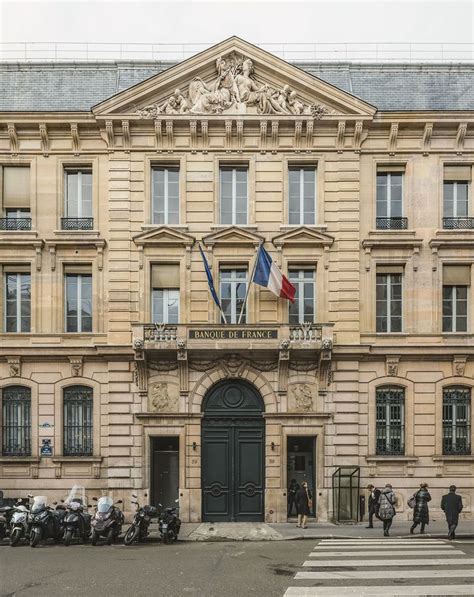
(238, 334)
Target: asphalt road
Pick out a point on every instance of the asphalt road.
(237, 569)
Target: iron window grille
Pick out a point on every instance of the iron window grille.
(78, 425)
(458, 223)
(390, 421)
(456, 421)
(16, 421)
(15, 224)
(393, 223)
(77, 223)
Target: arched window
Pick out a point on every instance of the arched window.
(456, 420)
(390, 421)
(16, 421)
(77, 421)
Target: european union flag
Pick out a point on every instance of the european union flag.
(210, 280)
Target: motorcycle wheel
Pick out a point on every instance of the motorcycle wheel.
(35, 537)
(110, 537)
(68, 537)
(169, 536)
(94, 538)
(15, 537)
(3, 532)
(131, 535)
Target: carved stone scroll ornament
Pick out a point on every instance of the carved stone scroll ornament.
(76, 366)
(283, 365)
(235, 90)
(14, 366)
(182, 356)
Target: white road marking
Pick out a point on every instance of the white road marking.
(385, 574)
(407, 562)
(380, 591)
(385, 553)
(355, 548)
(381, 541)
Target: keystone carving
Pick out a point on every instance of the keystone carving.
(76, 366)
(14, 364)
(459, 365)
(391, 366)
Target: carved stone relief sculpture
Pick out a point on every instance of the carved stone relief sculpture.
(301, 397)
(235, 90)
(164, 397)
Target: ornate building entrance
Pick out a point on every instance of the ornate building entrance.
(233, 451)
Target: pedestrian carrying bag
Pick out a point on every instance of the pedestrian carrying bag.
(310, 501)
(412, 502)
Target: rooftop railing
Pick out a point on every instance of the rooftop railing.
(293, 52)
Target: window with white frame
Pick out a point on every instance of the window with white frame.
(389, 201)
(388, 301)
(165, 293)
(302, 195)
(304, 308)
(17, 303)
(456, 282)
(78, 302)
(233, 288)
(165, 195)
(390, 421)
(456, 420)
(15, 198)
(78, 194)
(233, 195)
(455, 195)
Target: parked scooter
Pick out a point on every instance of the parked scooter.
(77, 521)
(169, 524)
(19, 523)
(6, 512)
(138, 530)
(107, 521)
(45, 522)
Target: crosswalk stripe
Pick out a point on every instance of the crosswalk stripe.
(384, 574)
(384, 554)
(407, 562)
(355, 548)
(381, 590)
(382, 540)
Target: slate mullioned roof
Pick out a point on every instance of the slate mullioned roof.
(76, 87)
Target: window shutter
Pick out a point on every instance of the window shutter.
(457, 275)
(165, 275)
(16, 186)
(382, 168)
(457, 173)
(390, 269)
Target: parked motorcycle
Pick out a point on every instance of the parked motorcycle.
(138, 530)
(19, 523)
(107, 521)
(6, 512)
(169, 524)
(77, 522)
(45, 522)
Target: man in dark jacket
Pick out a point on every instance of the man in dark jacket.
(373, 504)
(451, 504)
(292, 489)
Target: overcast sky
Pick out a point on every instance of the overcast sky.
(258, 22)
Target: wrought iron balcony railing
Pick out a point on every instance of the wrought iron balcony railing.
(462, 223)
(397, 223)
(77, 223)
(15, 223)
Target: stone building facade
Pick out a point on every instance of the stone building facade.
(116, 369)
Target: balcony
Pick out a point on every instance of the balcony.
(462, 223)
(396, 223)
(16, 224)
(77, 223)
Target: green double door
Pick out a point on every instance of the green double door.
(233, 444)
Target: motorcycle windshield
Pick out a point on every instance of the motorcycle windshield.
(77, 494)
(104, 504)
(39, 503)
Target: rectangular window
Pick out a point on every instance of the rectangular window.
(455, 199)
(78, 201)
(389, 302)
(390, 421)
(233, 195)
(456, 421)
(454, 308)
(165, 293)
(78, 423)
(233, 287)
(78, 303)
(303, 309)
(16, 421)
(165, 195)
(17, 302)
(389, 202)
(302, 196)
(16, 198)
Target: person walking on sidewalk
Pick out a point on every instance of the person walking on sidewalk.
(373, 504)
(304, 503)
(421, 512)
(451, 504)
(292, 489)
(387, 508)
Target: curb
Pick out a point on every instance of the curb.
(314, 538)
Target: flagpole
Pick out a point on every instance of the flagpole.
(249, 282)
(219, 303)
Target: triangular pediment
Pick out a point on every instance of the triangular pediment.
(232, 236)
(163, 235)
(303, 236)
(233, 77)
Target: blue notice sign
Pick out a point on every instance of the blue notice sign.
(46, 448)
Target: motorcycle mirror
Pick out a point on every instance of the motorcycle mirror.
(94, 498)
(119, 502)
(55, 503)
(29, 495)
(134, 495)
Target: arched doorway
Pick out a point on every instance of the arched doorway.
(233, 452)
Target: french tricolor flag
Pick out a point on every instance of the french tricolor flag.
(268, 275)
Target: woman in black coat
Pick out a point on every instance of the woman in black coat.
(303, 506)
(421, 512)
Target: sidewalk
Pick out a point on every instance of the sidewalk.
(251, 531)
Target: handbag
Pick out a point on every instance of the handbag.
(412, 502)
(310, 501)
